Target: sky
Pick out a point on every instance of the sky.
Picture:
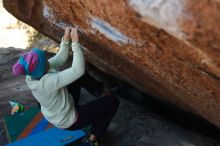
(11, 37)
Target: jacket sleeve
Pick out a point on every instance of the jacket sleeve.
(69, 75)
(62, 55)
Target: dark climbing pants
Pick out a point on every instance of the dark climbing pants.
(97, 113)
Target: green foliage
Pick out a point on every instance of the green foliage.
(34, 37)
(18, 25)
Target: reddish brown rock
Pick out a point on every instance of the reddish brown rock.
(166, 48)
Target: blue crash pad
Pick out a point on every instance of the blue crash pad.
(50, 137)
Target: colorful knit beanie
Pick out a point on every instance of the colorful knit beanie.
(31, 63)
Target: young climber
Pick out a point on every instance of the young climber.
(58, 92)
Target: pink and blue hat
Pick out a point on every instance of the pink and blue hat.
(32, 63)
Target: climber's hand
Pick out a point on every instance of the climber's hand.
(67, 36)
(74, 35)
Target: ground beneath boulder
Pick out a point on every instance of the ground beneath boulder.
(140, 120)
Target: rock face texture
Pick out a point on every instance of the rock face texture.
(166, 48)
